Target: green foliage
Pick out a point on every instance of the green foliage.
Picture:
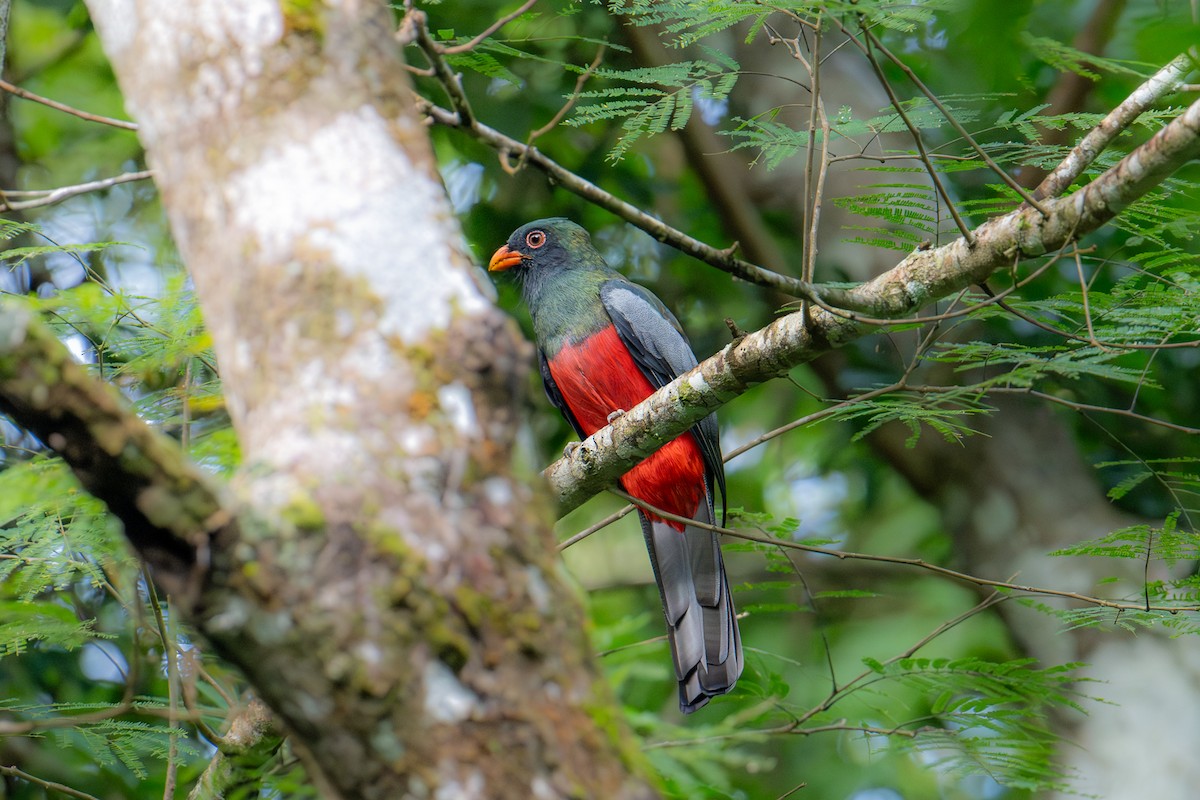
(944, 413)
(985, 715)
(660, 98)
(1065, 58)
(1166, 543)
(16, 256)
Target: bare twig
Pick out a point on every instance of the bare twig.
(49, 785)
(28, 95)
(837, 694)
(51, 196)
(451, 82)
(495, 26)
(918, 140)
(171, 652)
(588, 531)
(954, 123)
(1120, 412)
(562, 112)
(1107, 345)
(1004, 586)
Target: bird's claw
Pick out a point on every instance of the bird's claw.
(616, 415)
(570, 448)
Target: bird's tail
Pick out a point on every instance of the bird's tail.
(701, 622)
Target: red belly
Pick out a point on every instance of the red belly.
(598, 376)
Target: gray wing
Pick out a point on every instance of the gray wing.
(662, 352)
(688, 568)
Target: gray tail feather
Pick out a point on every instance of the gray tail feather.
(701, 621)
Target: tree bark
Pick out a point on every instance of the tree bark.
(389, 581)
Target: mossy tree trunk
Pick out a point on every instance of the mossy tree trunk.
(380, 571)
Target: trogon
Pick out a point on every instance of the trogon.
(604, 345)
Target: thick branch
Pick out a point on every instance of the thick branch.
(921, 278)
(1166, 80)
(170, 511)
(396, 602)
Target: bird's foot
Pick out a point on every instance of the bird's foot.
(570, 448)
(616, 415)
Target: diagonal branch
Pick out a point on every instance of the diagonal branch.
(1165, 81)
(49, 197)
(57, 106)
(461, 117)
(495, 26)
(721, 259)
(922, 277)
(171, 512)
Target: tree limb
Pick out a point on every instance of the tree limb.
(253, 739)
(921, 278)
(37, 98)
(1165, 81)
(49, 197)
(171, 512)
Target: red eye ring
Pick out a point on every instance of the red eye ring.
(535, 239)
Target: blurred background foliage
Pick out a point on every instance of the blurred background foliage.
(837, 696)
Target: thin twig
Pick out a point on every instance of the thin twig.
(954, 123)
(919, 141)
(51, 196)
(586, 532)
(28, 95)
(808, 419)
(170, 649)
(1121, 412)
(45, 784)
(1087, 308)
(863, 679)
(1104, 344)
(495, 26)
(1006, 586)
(562, 112)
(1062, 401)
(451, 82)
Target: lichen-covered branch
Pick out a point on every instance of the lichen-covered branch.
(253, 738)
(394, 595)
(1166, 80)
(171, 511)
(921, 278)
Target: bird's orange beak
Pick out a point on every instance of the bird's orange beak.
(504, 259)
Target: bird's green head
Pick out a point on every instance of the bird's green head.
(546, 244)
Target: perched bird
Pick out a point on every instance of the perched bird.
(604, 345)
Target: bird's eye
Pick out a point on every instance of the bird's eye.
(535, 239)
